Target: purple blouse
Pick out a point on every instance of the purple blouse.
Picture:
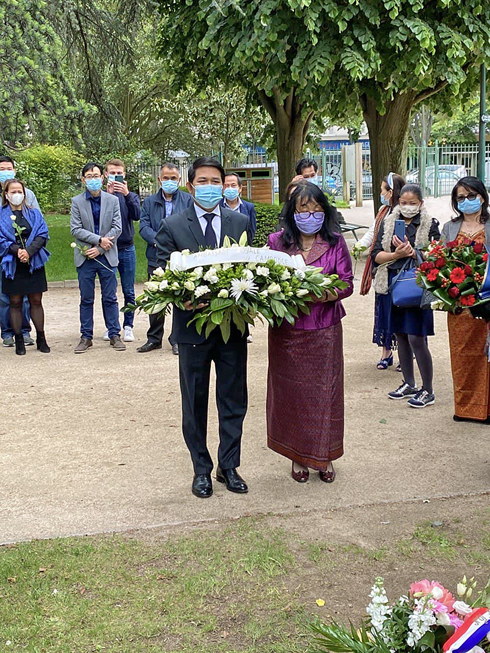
(332, 259)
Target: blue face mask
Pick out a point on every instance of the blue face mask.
(169, 186)
(231, 193)
(309, 223)
(470, 206)
(5, 175)
(94, 185)
(384, 200)
(208, 195)
(313, 180)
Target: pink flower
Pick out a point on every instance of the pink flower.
(455, 620)
(434, 589)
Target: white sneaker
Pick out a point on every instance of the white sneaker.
(250, 339)
(128, 334)
(106, 336)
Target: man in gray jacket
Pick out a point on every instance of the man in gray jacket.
(169, 200)
(95, 221)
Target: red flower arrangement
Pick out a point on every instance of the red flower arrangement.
(453, 273)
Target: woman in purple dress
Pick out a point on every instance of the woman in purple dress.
(305, 388)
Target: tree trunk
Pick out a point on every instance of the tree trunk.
(388, 138)
(292, 124)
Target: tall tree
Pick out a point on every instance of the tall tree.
(34, 88)
(330, 56)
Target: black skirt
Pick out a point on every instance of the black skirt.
(25, 283)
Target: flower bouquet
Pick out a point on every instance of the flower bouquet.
(428, 619)
(235, 284)
(454, 274)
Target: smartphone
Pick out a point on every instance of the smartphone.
(120, 179)
(400, 229)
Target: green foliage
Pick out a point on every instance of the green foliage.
(34, 88)
(51, 171)
(267, 221)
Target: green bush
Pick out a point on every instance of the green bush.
(267, 221)
(52, 172)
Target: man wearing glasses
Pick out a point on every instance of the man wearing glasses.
(95, 222)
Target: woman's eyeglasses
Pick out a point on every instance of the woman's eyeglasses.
(470, 196)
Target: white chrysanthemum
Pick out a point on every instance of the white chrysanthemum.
(163, 285)
(201, 290)
(263, 271)
(302, 292)
(247, 274)
(152, 286)
(240, 286)
(198, 272)
(285, 275)
(189, 285)
(299, 274)
(159, 272)
(273, 288)
(223, 294)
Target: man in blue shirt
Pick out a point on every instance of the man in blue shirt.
(95, 222)
(166, 201)
(129, 204)
(232, 191)
(7, 171)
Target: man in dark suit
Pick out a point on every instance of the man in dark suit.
(232, 199)
(205, 224)
(169, 200)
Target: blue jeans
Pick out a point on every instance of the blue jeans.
(127, 272)
(87, 273)
(5, 326)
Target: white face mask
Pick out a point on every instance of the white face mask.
(16, 198)
(409, 211)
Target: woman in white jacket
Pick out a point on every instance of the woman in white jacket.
(390, 195)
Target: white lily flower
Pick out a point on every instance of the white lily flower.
(201, 290)
(189, 285)
(198, 272)
(159, 272)
(175, 286)
(285, 275)
(163, 285)
(152, 286)
(302, 292)
(263, 271)
(273, 288)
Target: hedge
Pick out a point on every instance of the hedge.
(267, 222)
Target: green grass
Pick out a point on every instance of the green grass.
(238, 589)
(61, 267)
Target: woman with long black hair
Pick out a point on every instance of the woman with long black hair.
(305, 388)
(23, 235)
(467, 336)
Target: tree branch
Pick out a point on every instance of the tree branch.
(268, 104)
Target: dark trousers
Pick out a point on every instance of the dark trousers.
(87, 273)
(230, 362)
(157, 322)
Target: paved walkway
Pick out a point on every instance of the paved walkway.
(92, 443)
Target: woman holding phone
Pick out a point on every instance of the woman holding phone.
(407, 228)
(382, 334)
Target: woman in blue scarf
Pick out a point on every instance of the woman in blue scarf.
(23, 235)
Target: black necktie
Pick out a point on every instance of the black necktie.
(210, 234)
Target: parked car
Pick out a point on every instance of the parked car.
(448, 175)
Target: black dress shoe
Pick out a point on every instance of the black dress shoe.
(148, 346)
(202, 486)
(175, 350)
(234, 482)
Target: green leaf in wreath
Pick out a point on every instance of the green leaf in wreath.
(225, 326)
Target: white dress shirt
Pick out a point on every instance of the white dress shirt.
(237, 208)
(216, 222)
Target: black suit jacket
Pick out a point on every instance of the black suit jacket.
(183, 231)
